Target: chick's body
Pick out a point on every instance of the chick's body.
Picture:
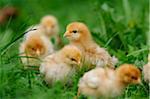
(99, 82)
(107, 82)
(80, 36)
(33, 47)
(61, 65)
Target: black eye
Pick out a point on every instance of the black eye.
(73, 59)
(135, 78)
(33, 49)
(74, 31)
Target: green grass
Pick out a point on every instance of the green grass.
(121, 26)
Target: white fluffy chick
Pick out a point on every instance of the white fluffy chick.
(107, 83)
(80, 36)
(48, 26)
(61, 65)
(35, 47)
(146, 70)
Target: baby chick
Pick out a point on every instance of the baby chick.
(107, 83)
(61, 65)
(146, 70)
(80, 36)
(35, 46)
(48, 26)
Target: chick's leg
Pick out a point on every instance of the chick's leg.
(78, 94)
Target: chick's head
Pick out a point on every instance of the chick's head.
(129, 74)
(72, 55)
(76, 31)
(35, 46)
(49, 24)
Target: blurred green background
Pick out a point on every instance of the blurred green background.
(121, 26)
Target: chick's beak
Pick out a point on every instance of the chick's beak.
(48, 29)
(38, 52)
(139, 81)
(66, 34)
(78, 63)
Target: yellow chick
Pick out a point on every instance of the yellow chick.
(61, 65)
(80, 36)
(107, 83)
(35, 46)
(146, 70)
(48, 26)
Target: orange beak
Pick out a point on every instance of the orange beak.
(38, 52)
(48, 29)
(78, 62)
(139, 81)
(66, 34)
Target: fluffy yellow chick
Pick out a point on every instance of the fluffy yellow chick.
(80, 36)
(146, 70)
(35, 46)
(107, 83)
(48, 26)
(61, 65)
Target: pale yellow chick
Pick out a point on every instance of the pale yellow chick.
(49, 24)
(80, 36)
(107, 83)
(60, 66)
(48, 27)
(35, 47)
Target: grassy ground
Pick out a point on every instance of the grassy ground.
(121, 26)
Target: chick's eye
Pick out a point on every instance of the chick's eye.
(74, 31)
(73, 59)
(33, 49)
(135, 78)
